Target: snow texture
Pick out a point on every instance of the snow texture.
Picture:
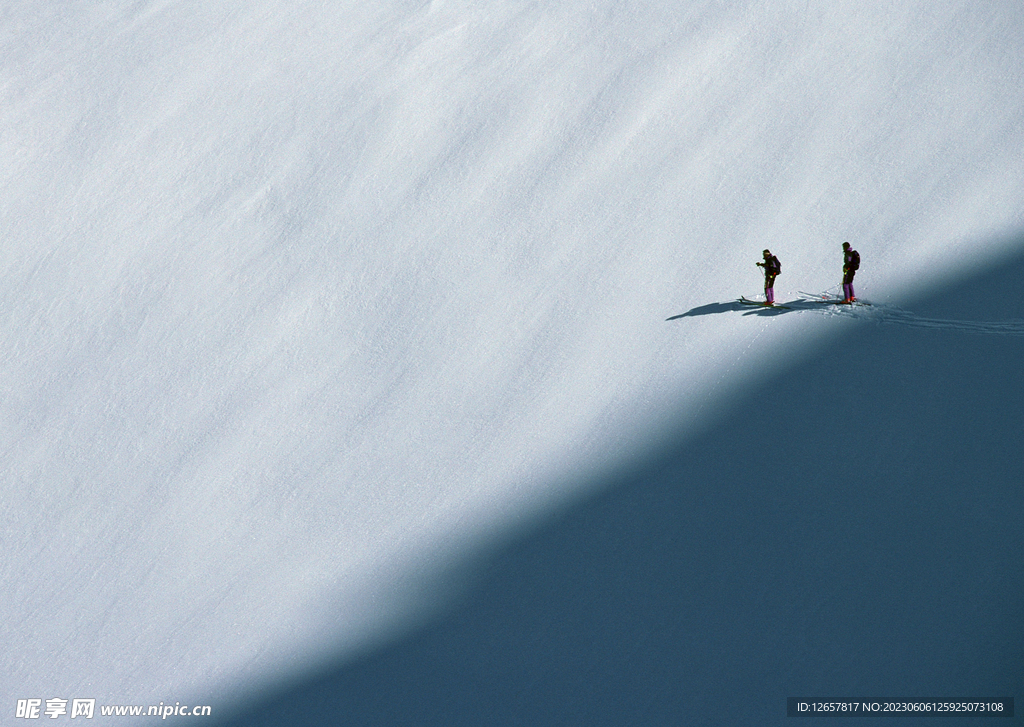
(330, 328)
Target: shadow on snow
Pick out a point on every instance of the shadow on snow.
(877, 313)
(848, 529)
(730, 307)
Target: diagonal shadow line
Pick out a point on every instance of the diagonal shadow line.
(849, 529)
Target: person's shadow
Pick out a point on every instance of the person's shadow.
(735, 305)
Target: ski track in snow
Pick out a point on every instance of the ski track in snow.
(882, 313)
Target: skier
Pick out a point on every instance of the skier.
(851, 262)
(772, 267)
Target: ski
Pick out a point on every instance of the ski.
(762, 304)
(819, 298)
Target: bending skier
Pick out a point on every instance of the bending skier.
(851, 262)
(772, 267)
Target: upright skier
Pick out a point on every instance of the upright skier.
(851, 261)
(772, 267)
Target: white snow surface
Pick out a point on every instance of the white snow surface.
(301, 299)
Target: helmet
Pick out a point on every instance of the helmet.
(766, 252)
(846, 246)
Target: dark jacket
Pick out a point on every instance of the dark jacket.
(851, 260)
(771, 266)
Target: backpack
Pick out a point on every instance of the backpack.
(773, 266)
(854, 260)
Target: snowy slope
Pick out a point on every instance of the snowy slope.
(847, 528)
(300, 298)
